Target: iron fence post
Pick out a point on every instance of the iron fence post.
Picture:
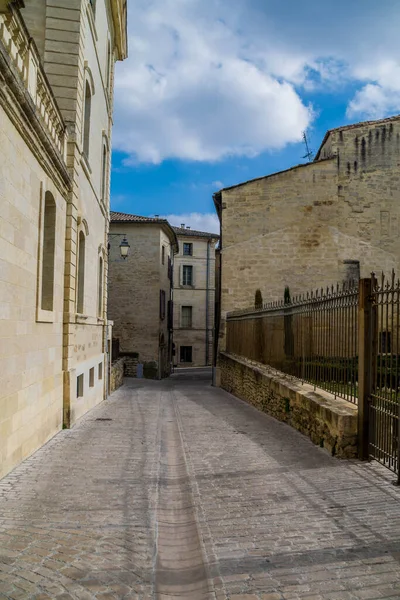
(366, 363)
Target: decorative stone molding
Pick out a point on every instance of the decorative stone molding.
(24, 59)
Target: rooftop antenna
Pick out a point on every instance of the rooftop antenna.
(309, 155)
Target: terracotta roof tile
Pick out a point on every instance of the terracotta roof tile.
(194, 233)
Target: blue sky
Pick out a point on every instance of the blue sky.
(215, 92)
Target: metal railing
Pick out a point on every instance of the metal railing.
(384, 406)
(313, 337)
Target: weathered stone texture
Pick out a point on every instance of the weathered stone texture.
(31, 384)
(329, 422)
(134, 292)
(298, 228)
(117, 374)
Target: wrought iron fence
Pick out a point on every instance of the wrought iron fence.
(313, 337)
(384, 405)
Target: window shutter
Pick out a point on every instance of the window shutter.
(180, 275)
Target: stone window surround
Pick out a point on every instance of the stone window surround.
(182, 354)
(88, 85)
(44, 316)
(187, 246)
(187, 317)
(83, 228)
(185, 278)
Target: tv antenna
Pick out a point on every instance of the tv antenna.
(309, 155)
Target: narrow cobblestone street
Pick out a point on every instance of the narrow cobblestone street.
(177, 489)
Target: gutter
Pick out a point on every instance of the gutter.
(207, 300)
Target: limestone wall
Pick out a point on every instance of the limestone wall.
(134, 292)
(330, 423)
(31, 383)
(301, 227)
(117, 374)
(196, 297)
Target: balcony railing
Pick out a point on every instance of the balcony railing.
(25, 58)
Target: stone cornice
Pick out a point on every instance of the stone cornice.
(120, 20)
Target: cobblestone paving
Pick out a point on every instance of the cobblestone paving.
(188, 492)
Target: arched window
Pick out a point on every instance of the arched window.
(48, 252)
(81, 273)
(104, 171)
(100, 291)
(86, 118)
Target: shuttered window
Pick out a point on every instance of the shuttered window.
(187, 316)
(187, 275)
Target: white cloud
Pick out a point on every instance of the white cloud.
(201, 222)
(207, 79)
(191, 88)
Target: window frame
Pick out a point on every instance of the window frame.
(87, 113)
(162, 304)
(187, 322)
(80, 275)
(185, 349)
(190, 245)
(44, 315)
(190, 267)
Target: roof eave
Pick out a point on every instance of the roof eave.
(120, 20)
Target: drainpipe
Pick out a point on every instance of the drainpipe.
(207, 302)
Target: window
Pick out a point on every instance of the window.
(86, 119)
(81, 272)
(170, 270)
(79, 386)
(186, 354)
(163, 255)
(91, 377)
(187, 249)
(162, 305)
(100, 290)
(104, 165)
(48, 252)
(187, 275)
(100, 371)
(186, 316)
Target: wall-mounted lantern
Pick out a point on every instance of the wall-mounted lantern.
(124, 246)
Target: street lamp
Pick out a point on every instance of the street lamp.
(124, 246)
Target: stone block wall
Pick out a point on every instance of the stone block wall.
(117, 374)
(330, 423)
(303, 227)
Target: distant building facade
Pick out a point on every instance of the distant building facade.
(194, 297)
(56, 72)
(140, 292)
(327, 221)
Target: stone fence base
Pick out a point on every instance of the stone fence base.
(329, 422)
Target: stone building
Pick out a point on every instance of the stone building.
(314, 224)
(56, 95)
(140, 292)
(194, 297)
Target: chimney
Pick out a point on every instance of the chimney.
(187, 226)
(182, 225)
(156, 216)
